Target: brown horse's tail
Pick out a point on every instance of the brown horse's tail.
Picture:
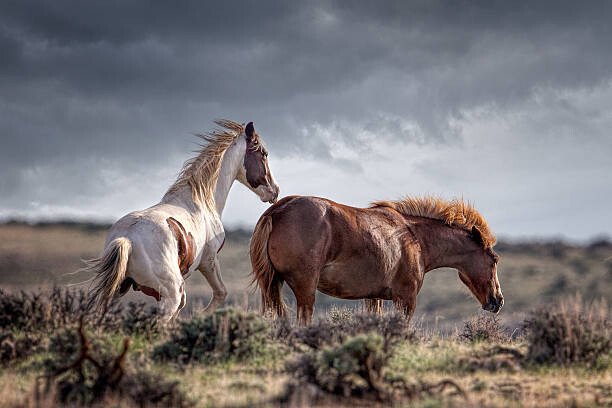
(268, 280)
(110, 271)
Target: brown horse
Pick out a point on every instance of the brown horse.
(380, 252)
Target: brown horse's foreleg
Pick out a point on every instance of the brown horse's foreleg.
(405, 288)
(406, 307)
(405, 300)
(374, 306)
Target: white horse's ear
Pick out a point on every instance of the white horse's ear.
(249, 130)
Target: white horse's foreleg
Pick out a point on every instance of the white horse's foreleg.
(209, 267)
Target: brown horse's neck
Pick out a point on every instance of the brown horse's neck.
(441, 245)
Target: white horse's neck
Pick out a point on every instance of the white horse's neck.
(230, 166)
(232, 160)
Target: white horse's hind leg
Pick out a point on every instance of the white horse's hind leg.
(183, 299)
(209, 266)
(172, 300)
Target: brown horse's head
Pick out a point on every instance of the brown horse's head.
(255, 173)
(479, 273)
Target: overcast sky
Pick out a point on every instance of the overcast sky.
(507, 104)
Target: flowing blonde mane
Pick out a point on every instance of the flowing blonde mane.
(200, 173)
(455, 212)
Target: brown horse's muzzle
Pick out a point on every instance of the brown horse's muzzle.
(494, 304)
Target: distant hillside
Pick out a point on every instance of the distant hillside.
(531, 273)
(238, 234)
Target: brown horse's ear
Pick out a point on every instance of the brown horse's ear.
(477, 235)
(249, 130)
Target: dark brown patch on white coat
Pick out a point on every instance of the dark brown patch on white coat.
(185, 245)
(129, 282)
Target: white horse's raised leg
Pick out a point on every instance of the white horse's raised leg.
(209, 267)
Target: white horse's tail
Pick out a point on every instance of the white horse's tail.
(110, 271)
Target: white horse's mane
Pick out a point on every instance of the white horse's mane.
(201, 172)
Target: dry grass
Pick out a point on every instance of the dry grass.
(241, 387)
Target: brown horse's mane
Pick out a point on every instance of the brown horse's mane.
(200, 173)
(454, 212)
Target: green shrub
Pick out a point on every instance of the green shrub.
(138, 319)
(339, 315)
(569, 333)
(23, 311)
(353, 368)
(66, 344)
(14, 347)
(225, 334)
(81, 372)
(146, 388)
(41, 312)
(484, 327)
(393, 327)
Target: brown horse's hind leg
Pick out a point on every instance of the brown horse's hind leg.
(305, 309)
(304, 290)
(374, 306)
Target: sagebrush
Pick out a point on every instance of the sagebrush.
(569, 333)
(227, 333)
(484, 327)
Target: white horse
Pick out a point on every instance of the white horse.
(154, 250)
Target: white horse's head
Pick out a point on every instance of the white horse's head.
(255, 172)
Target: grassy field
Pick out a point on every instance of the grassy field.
(451, 355)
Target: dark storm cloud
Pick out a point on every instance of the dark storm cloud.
(124, 81)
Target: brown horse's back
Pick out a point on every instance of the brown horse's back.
(343, 251)
(299, 229)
